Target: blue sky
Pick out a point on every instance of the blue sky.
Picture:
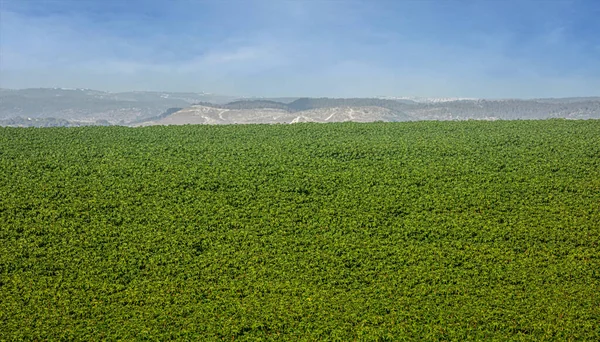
(338, 48)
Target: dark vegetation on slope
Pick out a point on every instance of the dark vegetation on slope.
(314, 103)
(385, 231)
(309, 103)
(166, 113)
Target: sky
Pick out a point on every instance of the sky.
(318, 48)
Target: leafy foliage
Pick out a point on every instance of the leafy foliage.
(384, 231)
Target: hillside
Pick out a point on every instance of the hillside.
(205, 114)
(86, 106)
(82, 107)
(436, 231)
(370, 110)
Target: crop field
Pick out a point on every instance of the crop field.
(383, 231)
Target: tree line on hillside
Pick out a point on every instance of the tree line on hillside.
(49, 122)
(310, 103)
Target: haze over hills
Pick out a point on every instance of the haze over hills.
(87, 106)
(76, 107)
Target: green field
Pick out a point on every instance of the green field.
(384, 231)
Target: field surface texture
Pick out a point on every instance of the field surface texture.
(382, 231)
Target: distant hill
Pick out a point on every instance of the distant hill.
(76, 107)
(314, 103)
(86, 105)
(257, 104)
(201, 114)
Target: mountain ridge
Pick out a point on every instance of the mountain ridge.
(73, 107)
